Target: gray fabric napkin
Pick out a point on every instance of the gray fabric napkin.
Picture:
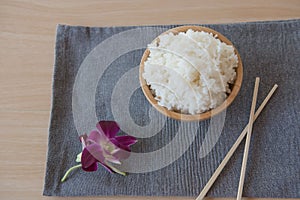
(96, 78)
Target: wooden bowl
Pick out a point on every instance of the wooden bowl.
(189, 117)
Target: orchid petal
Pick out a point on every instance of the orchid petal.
(115, 151)
(87, 159)
(91, 168)
(126, 140)
(96, 151)
(100, 138)
(112, 159)
(122, 154)
(109, 156)
(109, 128)
(119, 145)
(94, 136)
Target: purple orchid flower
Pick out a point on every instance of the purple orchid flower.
(103, 146)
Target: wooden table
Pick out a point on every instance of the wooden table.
(27, 33)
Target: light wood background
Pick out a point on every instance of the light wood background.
(27, 33)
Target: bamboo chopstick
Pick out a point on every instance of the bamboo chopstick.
(248, 138)
(234, 147)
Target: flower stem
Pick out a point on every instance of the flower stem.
(68, 172)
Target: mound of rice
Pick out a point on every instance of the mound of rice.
(190, 72)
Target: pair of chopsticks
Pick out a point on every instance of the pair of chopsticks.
(247, 129)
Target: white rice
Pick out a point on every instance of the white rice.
(190, 72)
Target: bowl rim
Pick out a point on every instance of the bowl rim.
(189, 117)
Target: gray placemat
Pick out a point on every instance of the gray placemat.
(96, 78)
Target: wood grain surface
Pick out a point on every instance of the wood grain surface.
(27, 33)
